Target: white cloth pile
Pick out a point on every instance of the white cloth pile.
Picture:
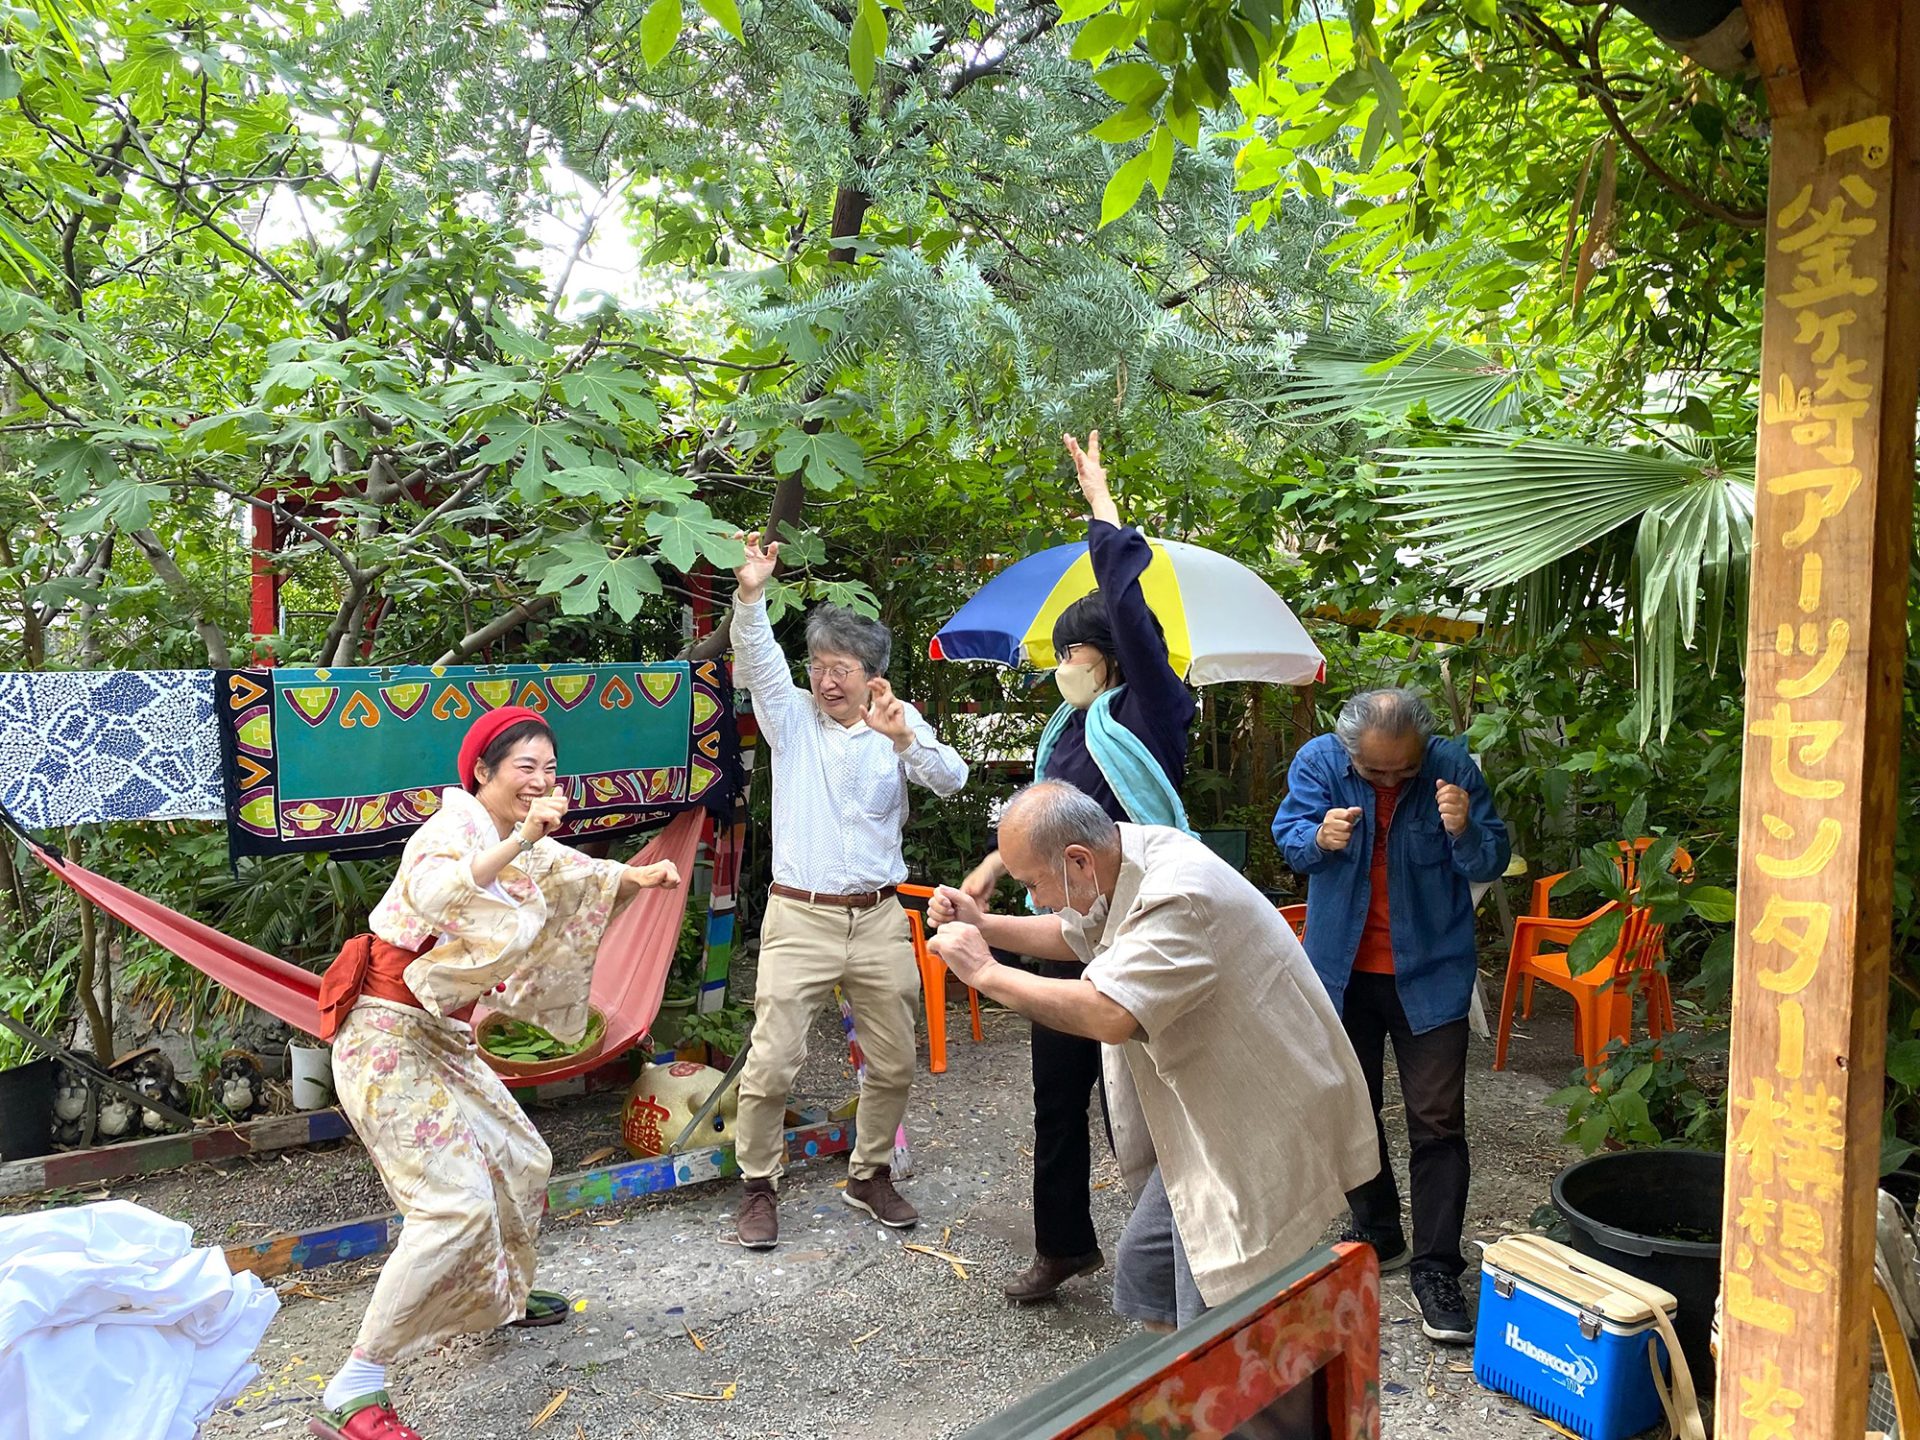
(113, 1324)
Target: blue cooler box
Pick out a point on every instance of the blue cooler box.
(1558, 1333)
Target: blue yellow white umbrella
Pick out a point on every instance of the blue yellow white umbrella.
(1223, 622)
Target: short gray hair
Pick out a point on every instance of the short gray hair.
(1389, 713)
(1054, 815)
(836, 630)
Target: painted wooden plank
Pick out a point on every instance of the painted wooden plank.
(566, 1194)
(23, 1177)
(170, 1152)
(1774, 26)
(70, 1168)
(1840, 366)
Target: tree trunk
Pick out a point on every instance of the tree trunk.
(521, 614)
(99, 1018)
(170, 576)
(12, 884)
(850, 206)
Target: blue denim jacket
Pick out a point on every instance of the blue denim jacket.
(1429, 874)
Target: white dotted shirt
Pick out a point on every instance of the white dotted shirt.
(839, 791)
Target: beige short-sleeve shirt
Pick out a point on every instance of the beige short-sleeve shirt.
(1243, 1086)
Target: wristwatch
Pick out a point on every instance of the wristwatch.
(526, 844)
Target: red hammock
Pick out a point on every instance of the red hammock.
(629, 974)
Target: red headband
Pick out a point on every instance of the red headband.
(484, 731)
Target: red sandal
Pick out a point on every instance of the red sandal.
(367, 1417)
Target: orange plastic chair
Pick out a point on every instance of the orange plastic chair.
(933, 984)
(1603, 997)
(1646, 967)
(1296, 916)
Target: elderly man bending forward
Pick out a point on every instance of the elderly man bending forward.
(1240, 1114)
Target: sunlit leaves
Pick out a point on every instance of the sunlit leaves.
(726, 13)
(660, 31)
(617, 395)
(689, 531)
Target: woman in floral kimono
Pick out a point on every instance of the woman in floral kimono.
(486, 906)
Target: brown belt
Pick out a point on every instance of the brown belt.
(864, 901)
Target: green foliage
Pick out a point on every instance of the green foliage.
(724, 1030)
(1641, 1098)
(1405, 322)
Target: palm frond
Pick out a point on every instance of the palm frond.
(1547, 521)
(1499, 506)
(1334, 379)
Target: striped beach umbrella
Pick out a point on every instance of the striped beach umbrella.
(1223, 622)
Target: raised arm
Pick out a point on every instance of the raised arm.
(1120, 556)
(758, 663)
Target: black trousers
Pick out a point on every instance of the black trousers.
(1065, 1069)
(1433, 1083)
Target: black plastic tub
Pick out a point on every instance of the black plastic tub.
(26, 1110)
(1656, 1215)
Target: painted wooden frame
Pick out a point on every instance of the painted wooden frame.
(1315, 1325)
(566, 1194)
(73, 1168)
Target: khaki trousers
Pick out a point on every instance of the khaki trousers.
(805, 950)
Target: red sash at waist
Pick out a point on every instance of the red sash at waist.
(368, 965)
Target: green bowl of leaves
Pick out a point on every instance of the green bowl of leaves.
(515, 1047)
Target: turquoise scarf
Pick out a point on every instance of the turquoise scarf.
(1126, 764)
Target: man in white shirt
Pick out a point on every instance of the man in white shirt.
(1240, 1114)
(842, 754)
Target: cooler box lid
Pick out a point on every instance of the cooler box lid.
(1595, 1287)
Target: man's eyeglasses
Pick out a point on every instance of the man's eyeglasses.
(839, 674)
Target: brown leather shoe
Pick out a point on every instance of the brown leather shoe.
(1042, 1279)
(757, 1221)
(878, 1198)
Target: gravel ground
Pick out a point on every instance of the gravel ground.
(841, 1331)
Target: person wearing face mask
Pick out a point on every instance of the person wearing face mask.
(1392, 826)
(1120, 736)
(1240, 1113)
(843, 751)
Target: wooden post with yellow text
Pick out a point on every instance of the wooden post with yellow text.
(1831, 546)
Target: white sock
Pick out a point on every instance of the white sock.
(356, 1378)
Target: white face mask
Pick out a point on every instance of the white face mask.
(1092, 920)
(1078, 685)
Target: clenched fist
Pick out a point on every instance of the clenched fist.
(1336, 831)
(982, 880)
(949, 906)
(1453, 806)
(544, 816)
(964, 951)
(661, 875)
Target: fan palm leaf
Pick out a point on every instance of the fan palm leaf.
(1566, 524)
(1336, 379)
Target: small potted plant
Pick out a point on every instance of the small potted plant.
(722, 1032)
(683, 983)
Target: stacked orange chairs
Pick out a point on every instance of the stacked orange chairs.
(933, 984)
(1602, 996)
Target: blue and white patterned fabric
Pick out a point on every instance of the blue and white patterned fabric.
(87, 746)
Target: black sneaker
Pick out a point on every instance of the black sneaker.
(1443, 1309)
(1393, 1256)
